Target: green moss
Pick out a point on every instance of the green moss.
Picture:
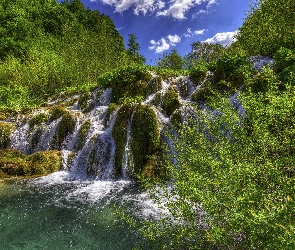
(82, 134)
(203, 94)
(111, 109)
(36, 137)
(65, 127)
(176, 119)
(38, 119)
(5, 131)
(157, 99)
(85, 102)
(13, 162)
(154, 85)
(145, 137)
(170, 100)
(44, 162)
(56, 112)
(119, 134)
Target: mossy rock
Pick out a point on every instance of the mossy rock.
(154, 85)
(82, 134)
(203, 94)
(119, 134)
(35, 138)
(171, 100)
(112, 107)
(44, 162)
(38, 119)
(145, 136)
(57, 112)
(157, 101)
(131, 89)
(183, 88)
(85, 102)
(177, 119)
(15, 163)
(65, 127)
(5, 131)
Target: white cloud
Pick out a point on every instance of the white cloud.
(191, 33)
(173, 8)
(224, 38)
(138, 6)
(164, 43)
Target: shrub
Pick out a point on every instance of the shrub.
(198, 73)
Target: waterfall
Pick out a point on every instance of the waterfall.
(81, 128)
(127, 159)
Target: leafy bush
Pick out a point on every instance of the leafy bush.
(198, 73)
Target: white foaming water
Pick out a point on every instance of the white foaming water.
(127, 159)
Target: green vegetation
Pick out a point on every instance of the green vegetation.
(268, 27)
(171, 60)
(126, 82)
(145, 141)
(171, 100)
(65, 127)
(119, 134)
(5, 131)
(47, 47)
(82, 134)
(14, 163)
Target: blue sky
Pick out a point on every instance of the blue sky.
(161, 25)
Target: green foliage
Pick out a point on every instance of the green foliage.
(126, 82)
(56, 112)
(119, 134)
(5, 131)
(203, 53)
(85, 100)
(65, 127)
(133, 51)
(47, 47)
(171, 60)
(285, 63)
(233, 178)
(82, 134)
(269, 26)
(154, 85)
(232, 68)
(171, 100)
(145, 141)
(38, 119)
(14, 163)
(198, 73)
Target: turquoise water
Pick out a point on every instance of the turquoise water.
(56, 212)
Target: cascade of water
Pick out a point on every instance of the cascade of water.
(127, 159)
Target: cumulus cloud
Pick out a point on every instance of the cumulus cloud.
(224, 38)
(191, 33)
(173, 8)
(164, 43)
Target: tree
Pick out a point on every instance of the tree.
(203, 52)
(269, 26)
(133, 50)
(171, 60)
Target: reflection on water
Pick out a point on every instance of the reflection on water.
(57, 212)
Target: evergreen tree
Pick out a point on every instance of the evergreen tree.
(133, 50)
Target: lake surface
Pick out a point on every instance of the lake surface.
(60, 212)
